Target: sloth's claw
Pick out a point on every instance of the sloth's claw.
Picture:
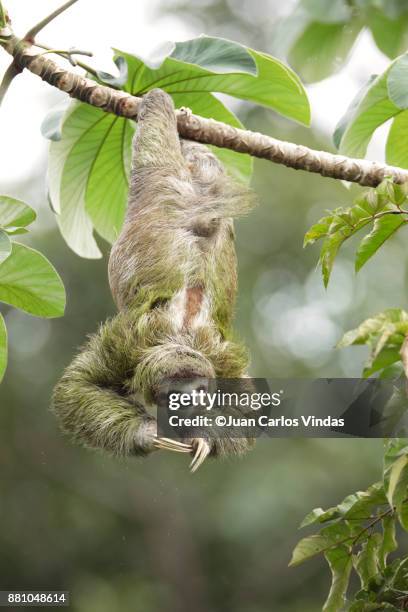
(172, 445)
(202, 450)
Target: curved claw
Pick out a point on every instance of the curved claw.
(202, 450)
(172, 445)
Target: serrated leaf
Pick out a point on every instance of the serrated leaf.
(360, 505)
(393, 448)
(329, 251)
(28, 281)
(15, 213)
(384, 227)
(5, 246)
(397, 82)
(366, 563)
(389, 543)
(374, 326)
(340, 563)
(318, 515)
(398, 481)
(217, 54)
(385, 358)
(318, 230)
(309, 547)
(3, 348)
(402, 513)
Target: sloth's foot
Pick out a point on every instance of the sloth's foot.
(172, 445)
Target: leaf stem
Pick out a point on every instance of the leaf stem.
(67, 54)
(32, 32)
(12, 71)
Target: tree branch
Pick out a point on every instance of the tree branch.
(193, 127)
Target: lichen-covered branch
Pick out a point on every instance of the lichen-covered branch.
(193, 127)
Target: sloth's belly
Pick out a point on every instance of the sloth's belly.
(189, 309)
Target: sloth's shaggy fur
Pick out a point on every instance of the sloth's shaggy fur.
(172, 273)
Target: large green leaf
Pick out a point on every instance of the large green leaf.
(215, 54)
(107, 173)
(322, 49)
(275, 86)
(349, 114)
(28, 281)
(384, 227)
(5, 246)
(373, 110)
(390, 35)
(397, 81)
(69, 202)
(396, 150)
(14, 213)
(3, 347)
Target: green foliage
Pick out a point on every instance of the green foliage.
(384, 334)
(382, 98)
(90, 157)
(27, 279)
(360, 536)
(318, 36)
(3, 347)
(382, 208)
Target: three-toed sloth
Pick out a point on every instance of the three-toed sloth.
(172, 273)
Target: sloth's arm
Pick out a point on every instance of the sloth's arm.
(90, 400)
(157, 142)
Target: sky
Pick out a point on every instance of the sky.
(24, 149)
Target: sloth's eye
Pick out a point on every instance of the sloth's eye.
(158, 302)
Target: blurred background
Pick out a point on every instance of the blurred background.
(146, 535)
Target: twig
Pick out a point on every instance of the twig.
(32, 32)
(12, 71)
(200, 129)
(67, 54)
